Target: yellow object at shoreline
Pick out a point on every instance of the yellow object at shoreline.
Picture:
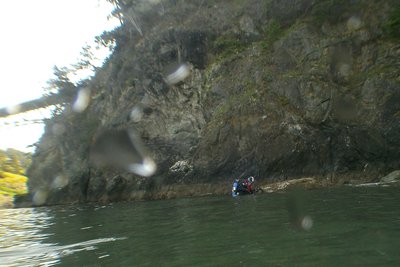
(10, 185)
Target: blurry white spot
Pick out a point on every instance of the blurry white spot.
(136, 114)
(60, 181)
(347, 141)
(179, 75)
(82, 100)
(103, 256)
(344, 69)
(86, 228)
(306, 223)
(58, 129)
(354, 23)
(123, 149)
(13, 109)
(146, 168)
(40, 196)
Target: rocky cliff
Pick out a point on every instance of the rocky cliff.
(278, 89)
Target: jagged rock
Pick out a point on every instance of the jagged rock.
(182, 167)
(116, 187)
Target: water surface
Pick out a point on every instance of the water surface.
(350, 227)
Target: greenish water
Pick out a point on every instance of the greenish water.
(350, 227)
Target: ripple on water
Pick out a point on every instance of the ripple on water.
(346, 226)
(22, 242)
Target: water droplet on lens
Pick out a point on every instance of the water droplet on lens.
(146, 168)
(13, 109)
(306, 223)
(344, 69)
(60, 181)
(58, 129)
(354, 23)
(40, 196)
(136, 114)
(82, 100)
(123, 149)
(181, 73)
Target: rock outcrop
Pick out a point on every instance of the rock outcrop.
(276, 89)
(392, 177)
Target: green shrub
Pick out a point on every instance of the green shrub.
(228, 45)
(272, 32)
(392, 26)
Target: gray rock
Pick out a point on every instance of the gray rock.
(391, 177)
(182, 167)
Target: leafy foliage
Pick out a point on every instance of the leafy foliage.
(12, 184)
(13, 164)
(14, 161)
(392, 26)
(273, 31)
(229, 45)
(61, 84)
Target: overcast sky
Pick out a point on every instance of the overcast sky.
(36, 35)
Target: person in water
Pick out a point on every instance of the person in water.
(242, 187)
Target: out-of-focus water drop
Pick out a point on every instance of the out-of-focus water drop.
(353, 23)
(146, 168)
(13, 109)
(40, 197)
(307, 223)
(82, 100)
(122, 149)
(136, 114)
(60, 181)
(181, 73)
(58, 129)
(296, 210)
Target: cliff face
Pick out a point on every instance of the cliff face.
(277, 89)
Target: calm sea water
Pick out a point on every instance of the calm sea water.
(343, 227)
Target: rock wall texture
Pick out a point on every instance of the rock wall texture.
(277, 89)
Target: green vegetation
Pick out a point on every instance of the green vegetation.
(334, 11)
(14, 161)
(247, 98)
(283, 100)
(229, 45)
(12, 184)
(13, 164)
(273, 31)
(392, 26)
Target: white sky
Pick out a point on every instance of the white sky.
(35, 36)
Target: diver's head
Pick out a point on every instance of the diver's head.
(250, 179)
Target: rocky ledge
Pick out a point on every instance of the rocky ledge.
(218, 89)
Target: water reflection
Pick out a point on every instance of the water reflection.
(22, 226)
(26, 239)
(352, 227)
